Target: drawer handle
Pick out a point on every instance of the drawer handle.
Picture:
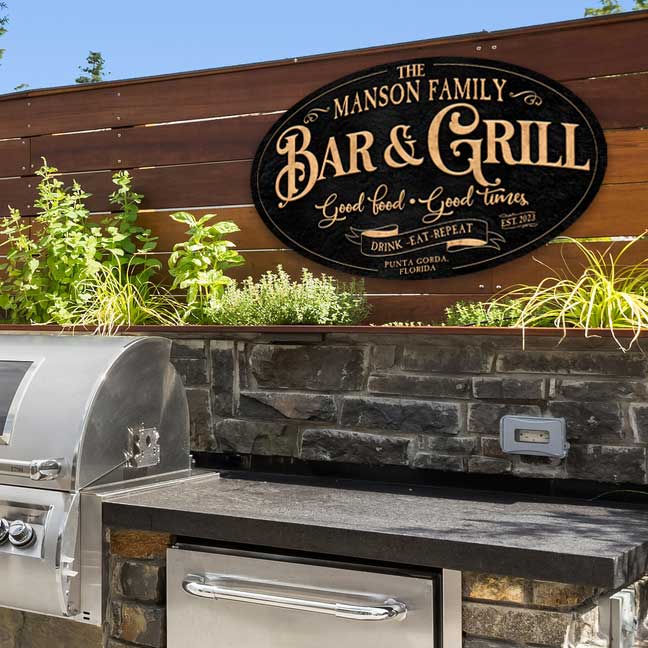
(211, 588)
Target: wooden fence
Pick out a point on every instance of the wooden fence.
(189, 140)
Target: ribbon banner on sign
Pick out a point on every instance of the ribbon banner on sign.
(455, 235)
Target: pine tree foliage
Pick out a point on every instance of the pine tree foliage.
(94, 70)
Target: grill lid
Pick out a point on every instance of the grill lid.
(77, 411)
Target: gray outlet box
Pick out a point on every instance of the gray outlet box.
(534, 435)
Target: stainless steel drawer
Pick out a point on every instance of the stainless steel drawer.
(225, 600)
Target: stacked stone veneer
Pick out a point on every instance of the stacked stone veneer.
(136, 607)
(423, 401)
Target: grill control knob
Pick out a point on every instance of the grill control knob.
(21, 534)
(4, 530)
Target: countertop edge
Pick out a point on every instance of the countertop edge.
(598, 571)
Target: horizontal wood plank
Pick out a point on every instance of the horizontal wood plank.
(253, 234)
(578, 50)
(237, 139)
(619, 101)
(228, 183)
(14, 158)
(126, 148)
(617, 210)
(560, 260)
(220, 183)
(627, 155)
(428, 309)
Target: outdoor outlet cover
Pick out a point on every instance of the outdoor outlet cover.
(534, 435)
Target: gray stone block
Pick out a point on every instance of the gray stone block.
(446, 359)
(517, 625)
(192, 371)
(400, 414)
(320, 444)
(189, 349)
(447, 444)
(593, 390)
(566, 362)
(383, 356)
(138, 623)
(11, 624)
(313, 368)
(590, 421)
(607, 463)
(139, 580)
(222, 373)
(509, 388)
(639, 422)
(268, 438)
(489, 465)
(200, 420)
(547, 467)
(414, 385)
(491, 447)
(484, 418)
(434, 461)
(291, 405)
(40, 631)
(480, 642)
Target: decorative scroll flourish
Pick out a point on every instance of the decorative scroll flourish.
(314, 114)
(530, 97)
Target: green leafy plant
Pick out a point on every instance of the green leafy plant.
(113, 299)
(198, 264)
(128, 243)
(50, 269)
(608, 294)
(408, 324)
(276, 299)
(498, 313)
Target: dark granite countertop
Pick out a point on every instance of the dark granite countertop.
(468, 530)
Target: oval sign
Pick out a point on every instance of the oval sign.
(428, 168)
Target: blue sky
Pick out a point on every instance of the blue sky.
(48, 39)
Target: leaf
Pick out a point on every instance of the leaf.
(183, 217)
(226, 227)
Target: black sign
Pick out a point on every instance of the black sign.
(428, 168)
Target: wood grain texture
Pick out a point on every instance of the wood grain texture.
(127, 148)
(199, 185)
(619, 101)
(428, 309)
(627, 155)
(559, 259)
(618, 209)
(253, 235)
(577, 50)
(238, 139)
(14, 158)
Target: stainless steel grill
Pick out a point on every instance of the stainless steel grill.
(80, 417)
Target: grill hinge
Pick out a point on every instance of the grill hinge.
(143, 447)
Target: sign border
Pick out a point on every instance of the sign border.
(597, 177)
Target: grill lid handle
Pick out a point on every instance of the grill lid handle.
(211, 588)
(37, 469)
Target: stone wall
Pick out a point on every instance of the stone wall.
(136, 606)
(418, 401)
(27, 630)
